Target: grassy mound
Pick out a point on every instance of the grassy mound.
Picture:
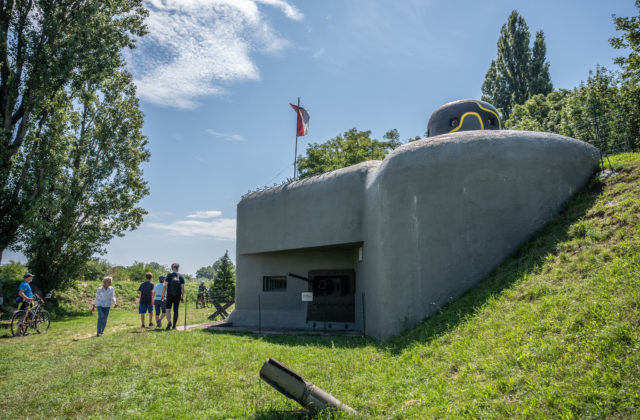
(554, 332)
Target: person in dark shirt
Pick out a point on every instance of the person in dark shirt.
(173, 293)
(146, 299)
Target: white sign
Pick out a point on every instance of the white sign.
(307, 296)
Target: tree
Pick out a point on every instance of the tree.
(224, 284)
(519, 71)
(540, 113)
(603, 111)
(99, 181)
(346, 150)
(630, 26)
(205, 272)
(46, 48)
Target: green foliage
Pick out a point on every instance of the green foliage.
(94, 269)
(630, 39)
(519, 71)
(48, 50)
(99, 181)
(341, 151)
(224, 280)
(11, 276)
(603, 111)
(206, 272)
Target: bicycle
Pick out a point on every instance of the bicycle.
(203, 300)
(36, 318)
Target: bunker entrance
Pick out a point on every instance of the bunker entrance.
(333, 296)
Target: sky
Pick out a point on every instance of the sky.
(215, 79)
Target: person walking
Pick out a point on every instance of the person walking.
(105, 296)
(159, 303)
(173, 293)
(146, 299)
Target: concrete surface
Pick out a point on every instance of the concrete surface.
(431, 220)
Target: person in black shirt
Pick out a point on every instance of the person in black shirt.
(173, 292)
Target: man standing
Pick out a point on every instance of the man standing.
(146, 299)
(25, 295)
(173, 292)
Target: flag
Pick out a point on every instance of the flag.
(303, 120)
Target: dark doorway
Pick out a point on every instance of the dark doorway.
(333, 295)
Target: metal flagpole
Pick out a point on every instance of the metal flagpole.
(295, 156)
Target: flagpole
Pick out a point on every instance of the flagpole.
(295, 156)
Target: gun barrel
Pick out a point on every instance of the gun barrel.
(292, 385)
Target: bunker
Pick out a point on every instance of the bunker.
(383, 244)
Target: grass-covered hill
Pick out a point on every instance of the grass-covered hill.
(554, 332)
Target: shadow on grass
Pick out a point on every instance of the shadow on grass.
(303, 339)
(283, 415)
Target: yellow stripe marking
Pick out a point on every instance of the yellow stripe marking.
(488, 110)
(462, 121)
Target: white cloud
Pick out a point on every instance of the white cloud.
(226, 136)
(207, 214)
(194, 47)
(220, 229)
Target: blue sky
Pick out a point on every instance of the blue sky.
(215, 78)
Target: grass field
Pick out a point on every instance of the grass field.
(554, 332)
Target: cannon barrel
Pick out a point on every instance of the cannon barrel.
(292, 385)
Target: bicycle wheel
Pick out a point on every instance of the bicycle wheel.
(209, 304)
(198, 304)
(17, 323)
(42, 321)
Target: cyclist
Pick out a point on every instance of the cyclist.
(202, 290)
(25, 295)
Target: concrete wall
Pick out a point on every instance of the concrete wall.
(442, 213)
(323, 210)
(434, 218)
(284, 309)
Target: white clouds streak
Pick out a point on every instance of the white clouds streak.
(207, 214)
(219, 228)
(226, 136)
(195, 46)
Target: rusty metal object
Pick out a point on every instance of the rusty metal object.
(292, 385)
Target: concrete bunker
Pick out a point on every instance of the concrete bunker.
(382, 245)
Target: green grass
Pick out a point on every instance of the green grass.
(554, 332)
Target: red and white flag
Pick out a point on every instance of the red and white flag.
(303, 120)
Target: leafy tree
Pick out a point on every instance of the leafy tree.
(94, 269)
(99, 181)
(341, 151)
(540, 113)
(225, 277)
(206, 272)
(519, 71)
(630, 39)
(602, 111)
(46, 48)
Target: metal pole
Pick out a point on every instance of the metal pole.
(295, 155)
(259, 316)
(364, 317)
